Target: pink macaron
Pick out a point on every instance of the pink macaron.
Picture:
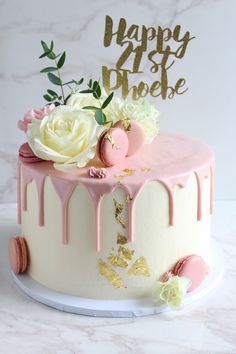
(27, 155)
(112, 146)
(192, 267)
(135, 134)
(18, 254)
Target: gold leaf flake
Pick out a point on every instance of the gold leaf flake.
(121, 239)
(121, 222)
(118, 211)
(110, 274)
(128, 171)
(146, 169)
(140, 267)
(128, 254)
(120, 178)
(112, 141)
(118, 261)
(126, 124)
(118, 208)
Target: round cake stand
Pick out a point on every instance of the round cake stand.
(116, 308)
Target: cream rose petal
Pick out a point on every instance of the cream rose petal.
(66, 136)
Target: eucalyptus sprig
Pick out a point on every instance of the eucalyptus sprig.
(95, 89)
(59, 60)
(61, 98)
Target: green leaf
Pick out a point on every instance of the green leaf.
(66, 98)
(51, 45)
(43, 55)
(57, 103)
(48, 51)
(54, 79)
(96, 90)
(100, 117)
(45, 46)
(90, 83)
(47, 98)
(51, 55)
(93, 108)
(52, 93)
(79, 82)
(107, 100)
(48, 69)
(86, 91)
(95, 85)
(61, 61)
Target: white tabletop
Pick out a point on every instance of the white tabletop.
(208, 326)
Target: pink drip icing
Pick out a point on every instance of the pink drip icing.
(64, 189)
(171, 159)
(204, 172)
(39, 180)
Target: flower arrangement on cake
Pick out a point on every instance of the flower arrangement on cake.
(67, 130)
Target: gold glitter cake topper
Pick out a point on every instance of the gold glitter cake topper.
(160, 47)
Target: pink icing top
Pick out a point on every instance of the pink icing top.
(170, 159)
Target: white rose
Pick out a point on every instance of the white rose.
(171, 292)
(66, 136)
(145, 114)
(79, 100)
(113, 112)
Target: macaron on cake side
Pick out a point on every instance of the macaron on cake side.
(18, 254)
(27, 155)
(192, 267)
(112, 146)
(135, 134)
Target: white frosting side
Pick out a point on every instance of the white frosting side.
(73, 268)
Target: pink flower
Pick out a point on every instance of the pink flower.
(34, 113)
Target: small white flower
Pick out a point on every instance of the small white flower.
(146, 114)
(66, 136)
(171, 292)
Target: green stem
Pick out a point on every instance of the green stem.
(62, 90)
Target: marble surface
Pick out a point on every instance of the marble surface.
(206, 327)
(206, 111)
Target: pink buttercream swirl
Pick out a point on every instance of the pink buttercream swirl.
(34, 113)
(98, 172)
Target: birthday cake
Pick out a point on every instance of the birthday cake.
(110, 207)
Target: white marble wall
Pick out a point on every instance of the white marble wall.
(206, 111)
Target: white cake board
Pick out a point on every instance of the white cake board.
(116, 308)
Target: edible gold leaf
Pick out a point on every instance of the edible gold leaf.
(140, 267)
(121, 239)
(118, 261)
(128, 171)
(126, 122)
(128, 254)
(112, 141)
(120, 177)
(121, 222)
(146, 169)
(118, 211)
(118, 208)
(110, 274)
